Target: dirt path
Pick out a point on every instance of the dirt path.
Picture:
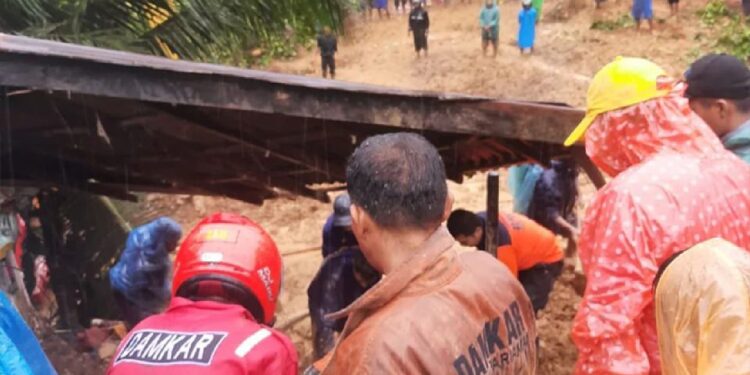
(567, 54)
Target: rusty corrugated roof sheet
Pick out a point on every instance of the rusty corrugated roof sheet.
(113, 122)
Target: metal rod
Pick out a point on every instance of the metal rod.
(493, 203)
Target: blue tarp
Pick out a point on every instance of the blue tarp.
(522, 181)
(143, 272)
(20, 352)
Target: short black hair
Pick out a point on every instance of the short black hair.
(743, 105)
(399, 180)
(463, 223)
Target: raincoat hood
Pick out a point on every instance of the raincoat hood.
(666, 197)
(703, 311)
(626, 137)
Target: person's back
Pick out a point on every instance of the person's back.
(434, 311)
(204, 337)
(534, 244)
(140, 278)
(225, 289)
(423, 328)
(659, 207)
(703, 310)
(674, 186)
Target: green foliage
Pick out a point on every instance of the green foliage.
(736, 40)
(610, 25)
(733, 36)
(224, 31)
(714, 12)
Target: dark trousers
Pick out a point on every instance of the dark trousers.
(328, 64)
(420, 40)
(538, 282)
(131, 314)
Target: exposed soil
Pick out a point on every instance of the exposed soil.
(567, 55)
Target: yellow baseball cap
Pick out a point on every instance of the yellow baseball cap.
(621, 83)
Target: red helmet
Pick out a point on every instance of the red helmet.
(229, 256)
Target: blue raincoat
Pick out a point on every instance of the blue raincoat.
(527, 28)
(20, 352)
(143, 273)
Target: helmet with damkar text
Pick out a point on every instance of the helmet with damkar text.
(230, 257)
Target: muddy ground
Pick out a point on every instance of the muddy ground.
(567, 55)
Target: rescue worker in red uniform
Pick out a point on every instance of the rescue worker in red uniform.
(226, 283)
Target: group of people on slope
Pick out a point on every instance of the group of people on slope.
(663, 245)
(419, 27)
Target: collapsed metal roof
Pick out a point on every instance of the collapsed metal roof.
(113, 122)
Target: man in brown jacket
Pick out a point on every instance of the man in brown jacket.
(435, 311)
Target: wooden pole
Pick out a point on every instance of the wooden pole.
(595, 175)
(493, 203)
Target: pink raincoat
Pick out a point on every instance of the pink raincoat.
(675, 186)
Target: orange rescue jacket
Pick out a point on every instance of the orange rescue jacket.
(441, 312)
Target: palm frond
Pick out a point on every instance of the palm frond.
(206, 30)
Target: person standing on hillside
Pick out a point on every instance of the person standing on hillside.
(436, 310)
(643, 10)
(719, 92)
(529, 250)
(489, 21)
(419, 25)
(400, 6)
(674, 7)
(328, 46)
(674, 186)
(526, 27)
(381, 5)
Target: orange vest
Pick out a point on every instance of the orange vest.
(530, 244)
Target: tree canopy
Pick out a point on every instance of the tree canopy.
(206, 30)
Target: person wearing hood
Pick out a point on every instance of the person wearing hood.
(673, 186)
(703, 310)
(719, 92)
(140, 279)
(343, 277)
(489, 21)
(527, 18)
